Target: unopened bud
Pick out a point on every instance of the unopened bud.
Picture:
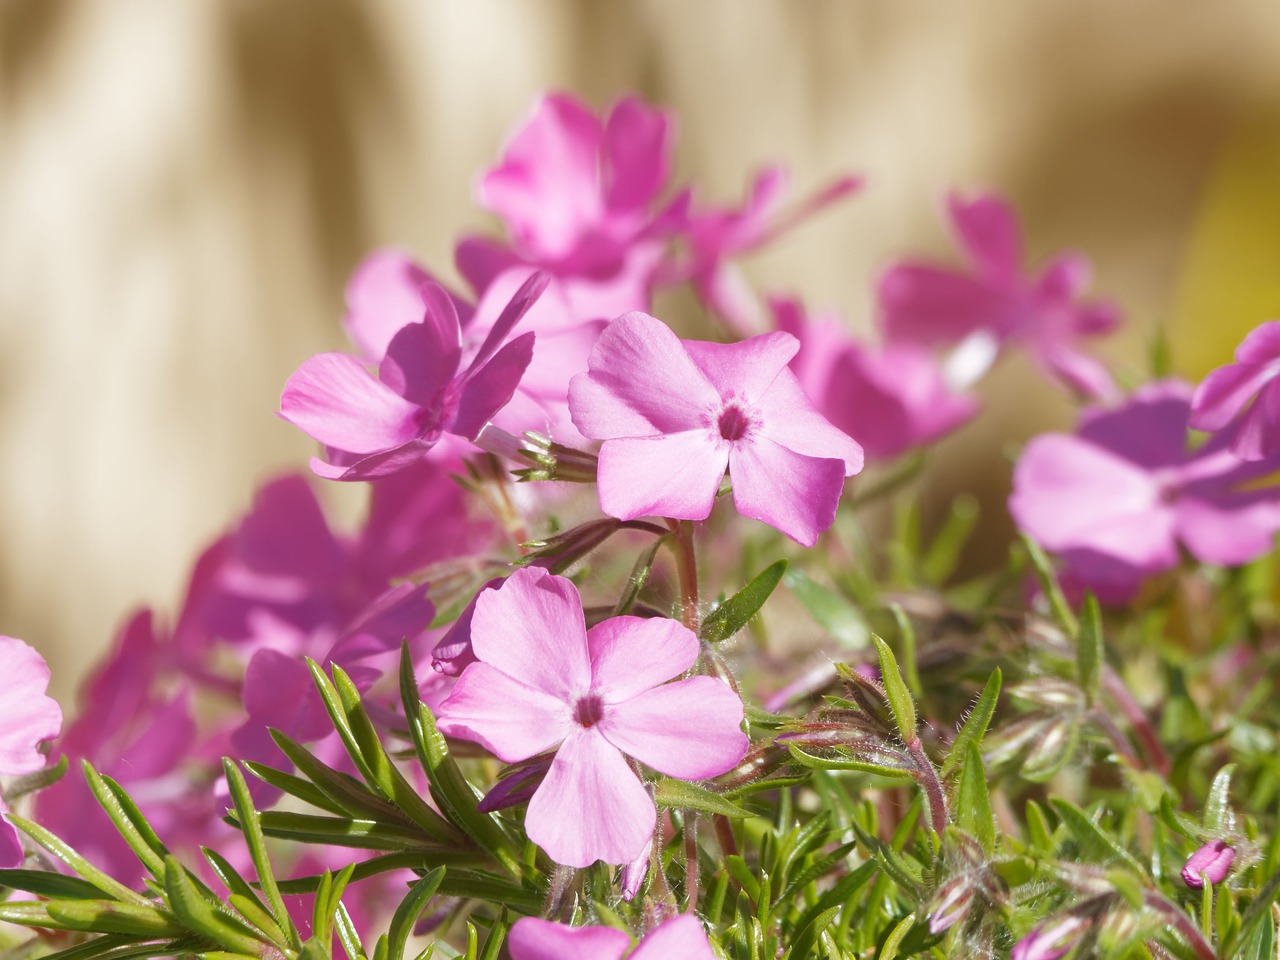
(1211, 862)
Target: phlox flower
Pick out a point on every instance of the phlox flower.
(374, 426)
(892, 398)
(27, 717)
(543, 682)
(673, 414)
(680, 938)
(1118, 497)
(995, 299)
(1255, 433)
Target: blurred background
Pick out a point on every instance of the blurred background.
(185, 187)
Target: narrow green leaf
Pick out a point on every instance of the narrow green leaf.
(1217, 809)
(899, 871)
(111, 916)
(253, 913)
(45, 883)
(304, 790)
(975, 725)
(1261, 941)
(347, 934)
(940, 561)
(1095, 844)
(201, 917)
(231, 879)
(802, 945)
(732, 615)
(375, 865)
(895, 688)
(472, 884)
(340, 831)
(251, 827)
(1259, 909)
(95, 948)
(832, 611)
(497, 935)
(638, 578)
(972, 805)
(682, 795)
(410, 909)
(128, 821)
(345, 791)
(907, 634)
(1049, 585)
(894, 940)
(1089, 651)
(802, 757)
(55, 845)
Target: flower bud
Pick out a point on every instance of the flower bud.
(951, 904)
(1211, 862)
(1049, 941)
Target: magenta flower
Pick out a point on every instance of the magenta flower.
(374, 426)
(673, 414)
(680, 938)
(892, 398)
(1118, 497)
(1255, 433)
(1212, 862)
(933, 305)
(545, 683)
(27, 717)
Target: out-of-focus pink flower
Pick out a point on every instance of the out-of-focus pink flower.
(1051, 940)
(27, 718)
(1212, 862)
(383, 295)
(680, 938)
(890, 398)
(374, 426)
(1255, 434)
(544, 682)
(717, 235)
(1118, 497)
(673, 414)
(933, 305)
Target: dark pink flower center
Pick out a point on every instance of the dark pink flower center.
(733, 422)
(588, 710)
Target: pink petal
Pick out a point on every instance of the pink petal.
(1258, 434)
(532, 628)
(423, 357)
(631, 654)
(744, 370)
(1262, 345)
(676, 475)
(490, 389)
(509, 719)
(1149, 430)
(792, 492)
(10, 843)
(989, 233)
(521, 302)
(534, 939)
(1080, 372)
(334, 399)
(480, 259)
(1227, 534)
(1225, 391)
(590, 806)
(278, 692)
(286, 534)
(1065, 278)
(691, 729)
(680, 938)
(932, 306)
(637, 147)
(641, 382)
(384, 463)
(27, 716)
(382, 296)
(789, 418)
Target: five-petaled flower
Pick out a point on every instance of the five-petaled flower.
(543, 682)
(673, 414)
(27, 717)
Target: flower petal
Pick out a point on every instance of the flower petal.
(1262, 345)
(680, 938)
(744, 370)
(989, 233)
(491, 387)
(676, 475)
(534, 939)
(1223, 393)
(789, 418)
(691, 729)
(10, 842)
(631, 654)
(637, 146)
(930, 305)
(1228, 533)
(792, 492)
(510, 720)
(334, 399)
(590, 806)
(532, 628)
(382, 297)
(27, 716)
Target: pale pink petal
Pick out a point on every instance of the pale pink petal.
(632, 654)
(480, 259)
(522, 301)
(509, 719)
(532, 628)
(1258, 435)
(744, 370)
(382, 296)
(1065, 277)
(27, 716)
(1227, 534)
(534, 939)
(675, 475)
(792, 492)
(989, 233)
(1084, 374)
(490, 388)
(930, 305)
(725, 290)
(641, 382)
(1225, 391)
(680, 938)
(1262, 345)
(691, 729)
(637, 149)
(789, 418)
(590, 806)
(334, 399)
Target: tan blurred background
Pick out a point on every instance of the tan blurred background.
(185, 185)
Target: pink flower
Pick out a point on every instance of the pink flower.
(375, 426)
(932, 305)
(1225, 392)
(545, 683)
(1212, 861)
(673, 414)
(27, 717)
(891, 398)
(1117, 498)
(1051, 940)
(680, 938)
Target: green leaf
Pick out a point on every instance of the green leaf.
(1096, 845)
(972, 805)
(236, 884)
(895, 688)
(944, 552)
(1049, 585)
(1261, 942)
(361, 834)
(347, 934)
(802, 945)
(304, 790)
(800, 756)
(1089, 651)
(55, 845)
(200, 916)
(410, 909)
(894, 940)
(1259, 909)
(638, 578)
(344, 791)
(907, 634)
(1217, 809)
(45, 883)
(111, 916)
(682, 795)
(732, 615)
(975, 725)
(128, 820)
(832, 611)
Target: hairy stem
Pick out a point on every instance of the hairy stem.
(686, 571)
